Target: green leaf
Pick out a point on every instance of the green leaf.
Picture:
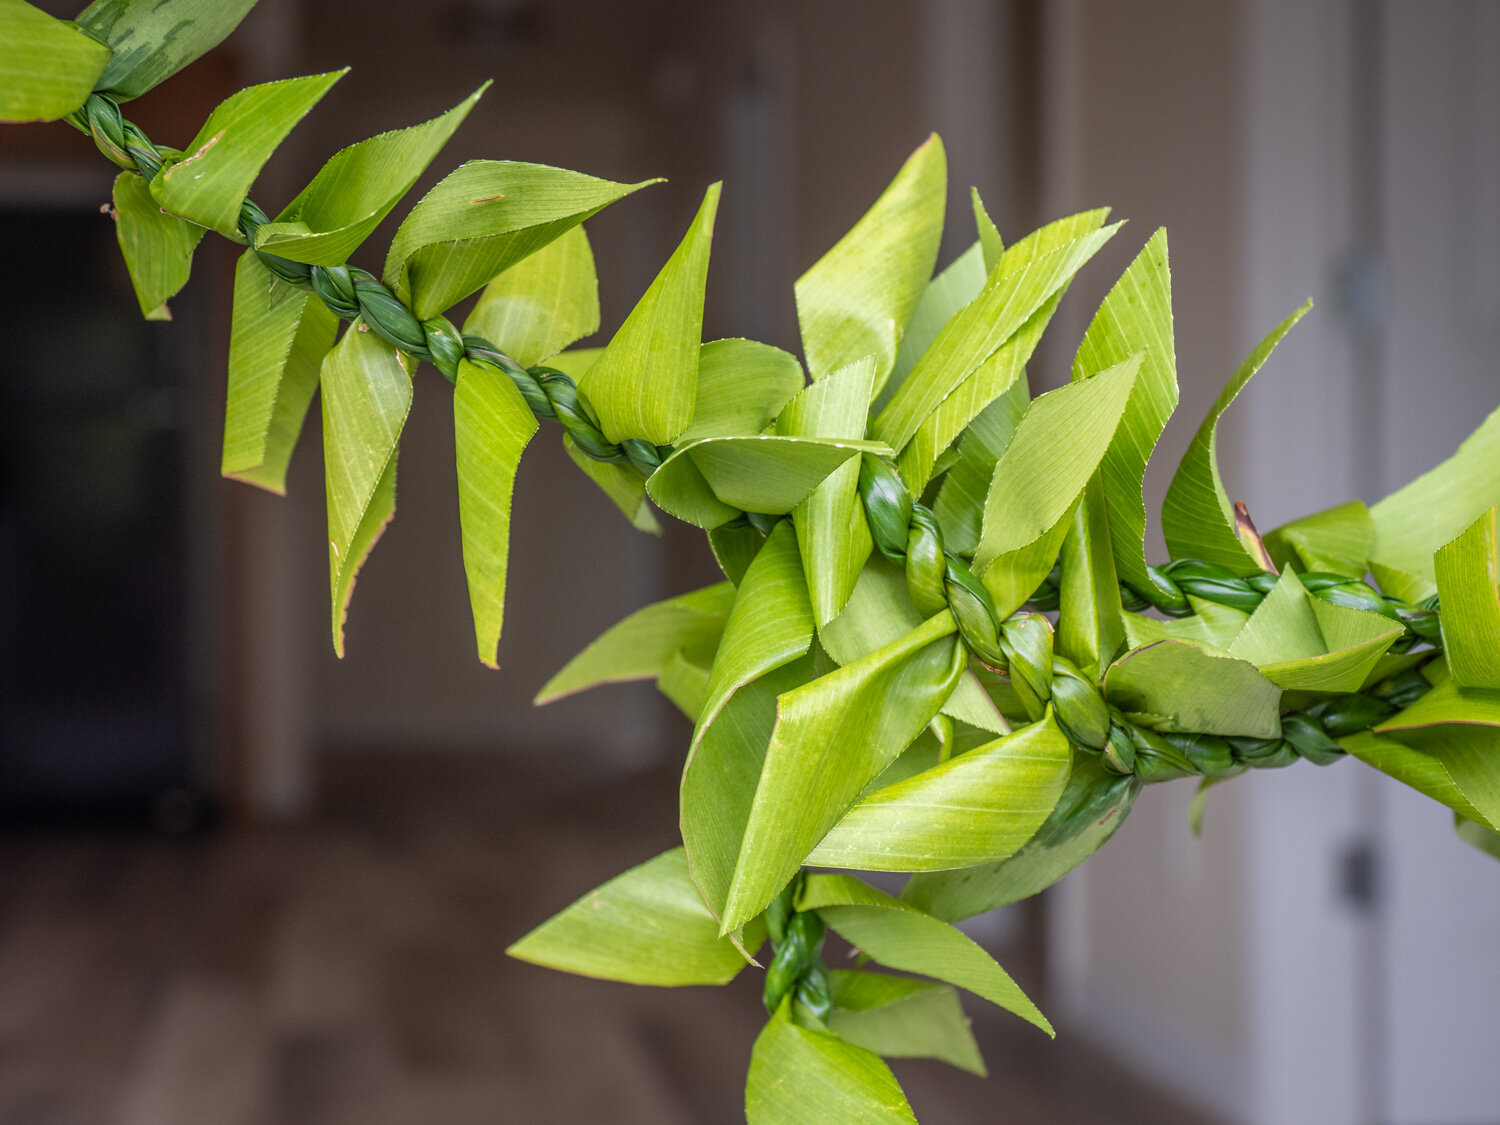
(638, 647)
(1410, 766)
(897, 934)
(806, 1076)
(742, 387)
(152, 40)
(1094, 804)
(1055, 450)
(48, 68)
(685, 684)
(978, 807)
(158, 248)
(832, 737)
(1186, 688)
(832, 532)
(647, 926)
(1413, 522)
(857, 298)
(901, 1018)
(208, 185)
(712, 480)
(1136, 317)
(735, 546)
(277, 341)
(1303, 643)
(543, 303)
(356, 189)
(1336, 540)
(1090, 629)
(625, 487)
(945, 294)
(1477, 835)
(645, 383)
(960, 502)
(1209, 625)
(989, 234)
(491, 426)
(366, 398)
(480, 220)
(1196, 517)
(1460, 727)
(1468, 578)
(1026, 278)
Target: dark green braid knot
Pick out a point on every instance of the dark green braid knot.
(796, 967)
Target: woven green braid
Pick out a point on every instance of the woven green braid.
(796, 967)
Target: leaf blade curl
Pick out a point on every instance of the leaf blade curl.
(49, 67)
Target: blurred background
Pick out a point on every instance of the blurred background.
(244, 882)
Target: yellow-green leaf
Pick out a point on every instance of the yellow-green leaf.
(277, 340)
(1090, 629)
(645, 383)
(647, 926)
(1460, 727)
(158, 248)
(901, 1018)
(366, 397)
(208, 185)
(1186, 688)
(356, 189)
(1422, 771)
(742, 387)
(491, 424)
(1196, 517)
(1336, 540)
(1468, 578)
(480, 220)
(542, 303)
(48, 67)
(857, 298)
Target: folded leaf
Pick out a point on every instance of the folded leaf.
(857, 299)
(1094, 803)
(742, 387)
(1468, 570)
(960, 501)
(945, 294)
(901, 1018)
(1476, 835)
(805, 1076)
(832, 737)
(1336, 540)
(366, 397)
(712, 480)
(647, 926)
(277, 341)
(151, 41)
(1422, 771)
(48, 68)
(1089, 627)
(1186, 688)
(638, 647)
(480, 220)
(158, 248)
(644, 385)
(1460, 727)
(832, 532)
(1413, 522)
(356, 189)
(543, 303)
(491, 424)
(625, 487)
(1196, 517)
(1210, 625)
(978, 807)
(208, 185)
(1136, 317)
(685, 684)
(897, 934)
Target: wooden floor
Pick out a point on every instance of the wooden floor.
(351, 970)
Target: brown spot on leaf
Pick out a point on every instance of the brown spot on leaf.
(489, 198)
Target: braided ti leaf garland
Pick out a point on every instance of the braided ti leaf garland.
(878, 684)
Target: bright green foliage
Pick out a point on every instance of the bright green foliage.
(807, 1076)
(1196, 516)
(647, 926)
(152, 40)
(277, 342)
(1183, 687)
(645, 383)
(1468, 578)
(856, 300)
(638, 647)
(1424, 772)
(742, 387)
(1210, 625)
(48, 67)
(356, 189)
(208, 185)
(491, 426)
(482, 219)
(158, 248)
(1090, 627)
(897, 934)
(366, 397)
(542, 303)
(1460, 727)
(897, 1017)
(1336, 540)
